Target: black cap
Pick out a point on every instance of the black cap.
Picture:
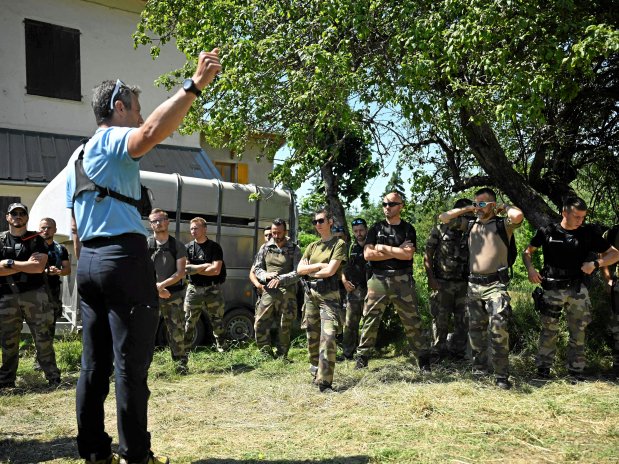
(14, 206)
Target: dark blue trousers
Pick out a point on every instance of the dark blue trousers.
(119, 307)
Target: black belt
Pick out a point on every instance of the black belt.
(175, 288)
(212, 284)
(559, 273)
(392, 272)
(560, 284)
(484, 279)
(104, 241)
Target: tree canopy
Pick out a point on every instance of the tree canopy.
(516, 94)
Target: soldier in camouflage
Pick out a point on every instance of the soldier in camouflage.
(389, 247)
(275, 268)
(58, 265)
(570, 250)
(446, 264)
(321, 266)
(355, 280)
(170, 258)
(206, 271)
(610, 276)
(23, 256)
(488, 303)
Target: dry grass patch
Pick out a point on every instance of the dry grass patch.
(239, 408)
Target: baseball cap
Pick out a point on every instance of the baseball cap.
(14, 206)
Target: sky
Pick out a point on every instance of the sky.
(375, 187)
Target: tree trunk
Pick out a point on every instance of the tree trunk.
(333, 199)
(491, 157)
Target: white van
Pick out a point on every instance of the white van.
(234, 221)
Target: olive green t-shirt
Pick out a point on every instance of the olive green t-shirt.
(323, 252)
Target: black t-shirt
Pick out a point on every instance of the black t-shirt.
(207, 252)
(393, 235)
(356, 266)
(568, 249)
(56, 254)
(20, 249)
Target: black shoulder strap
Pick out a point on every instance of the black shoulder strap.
(83, 183)
(151, 244)
(500, 228)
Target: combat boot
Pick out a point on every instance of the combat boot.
(111, 459)
(7, 385)
(503, 383)
(362, 362)
(325, 387)
(424, 362)
(543, 373)
(151, 459)
(575, 376)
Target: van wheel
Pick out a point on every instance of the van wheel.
(239, 324)
(199, 334)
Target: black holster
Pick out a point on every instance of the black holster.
(503, 273)
(542, 307)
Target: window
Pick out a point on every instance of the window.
(52, 61)
(233, 172)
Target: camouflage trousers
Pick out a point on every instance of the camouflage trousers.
(354, 309)
(55, 306)
(449, 299)
(321, 325)
(279, 306)
(489, 310)
(577, 309)
(31, 306)
(209, 299)
(173, 314)
(400, 291)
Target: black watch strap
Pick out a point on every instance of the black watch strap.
(190, 86)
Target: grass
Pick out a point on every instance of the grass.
(240, 408)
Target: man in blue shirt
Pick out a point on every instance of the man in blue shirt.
(115, 276)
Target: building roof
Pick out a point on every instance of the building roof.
(39, 157)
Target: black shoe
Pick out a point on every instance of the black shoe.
(543, 373)
(503, 383)
(54, 382)
(7, 385)
(576, 376)
(362, 362)
(424, 364)
(325, 387)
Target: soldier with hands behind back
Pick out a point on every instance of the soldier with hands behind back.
(446, 261)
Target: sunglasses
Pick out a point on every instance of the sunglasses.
(358, 222)
(158, 221)
(268, 235)
(119, 84)
(18, 213)
(390, 204)
(318, 221)
(482, 204)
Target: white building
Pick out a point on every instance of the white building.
(53, 53)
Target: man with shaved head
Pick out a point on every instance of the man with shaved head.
(389, 247)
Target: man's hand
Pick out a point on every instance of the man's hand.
(53, 270)
(208, 68)
(588, 267)
(164, 293)
(534, 276)
(348, 285)
(273, 283)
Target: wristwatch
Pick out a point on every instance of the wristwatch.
(190, 86)
(596, 264)
(9, 263)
